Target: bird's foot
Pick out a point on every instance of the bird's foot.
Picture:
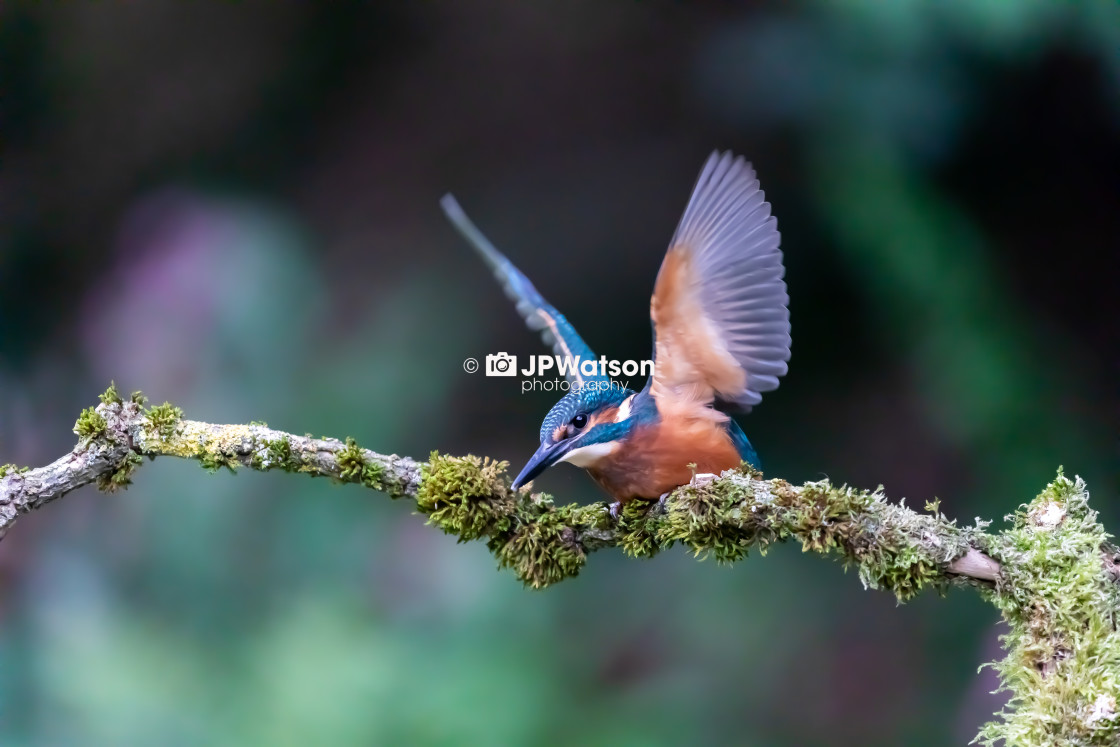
(662, 502)
(615, 508)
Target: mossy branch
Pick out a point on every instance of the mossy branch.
(1052, 573)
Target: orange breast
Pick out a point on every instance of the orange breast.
(655, 458)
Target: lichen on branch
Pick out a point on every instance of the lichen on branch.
(1060, 598)
(892, 547)
(1052, 573)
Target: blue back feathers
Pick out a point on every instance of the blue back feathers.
(743, 445)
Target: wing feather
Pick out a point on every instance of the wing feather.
(720, 308)
(539, 314)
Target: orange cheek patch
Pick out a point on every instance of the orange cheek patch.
(560, 433)
(603, 416)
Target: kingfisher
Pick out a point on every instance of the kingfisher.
(721, 338)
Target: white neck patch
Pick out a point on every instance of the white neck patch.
(624, 409)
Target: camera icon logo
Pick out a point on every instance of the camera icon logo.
(501, 364)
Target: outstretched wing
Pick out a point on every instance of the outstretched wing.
(720, 308)
(538, 313)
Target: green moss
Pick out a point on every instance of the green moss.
(1060, 603)
(820, 516)
(212, 461)
(542, 547)
(888, 544)
(279, 455)
(471, 498)
(466, 496)
(354, 467)
(90, 425)
(727, 518)
(373, 476)
(122, 476)
(111, 396)
(162, 419)
(637, 529)
(712, 520)
(901, 564)
(351, 461)
(12, 469)
(747, 469)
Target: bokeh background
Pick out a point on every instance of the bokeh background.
(234, 207)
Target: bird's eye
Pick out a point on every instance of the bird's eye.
(579, 420)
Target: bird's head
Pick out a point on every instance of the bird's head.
(582, 428)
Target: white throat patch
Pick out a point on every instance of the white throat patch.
(589, 456)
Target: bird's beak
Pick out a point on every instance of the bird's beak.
(546, 456)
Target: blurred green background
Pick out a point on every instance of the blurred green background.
(234, 207)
